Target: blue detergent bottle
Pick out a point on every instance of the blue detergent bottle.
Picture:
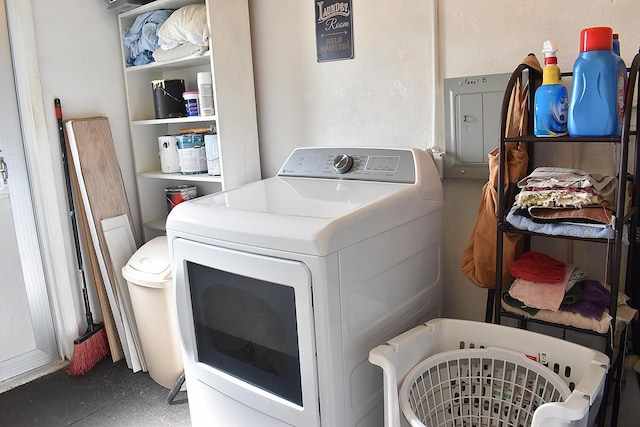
(551, 99)
(596, 104)
(622, 74)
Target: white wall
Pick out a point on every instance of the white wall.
(80, 63)
(377, 99)
(384, 95)
(78, 50)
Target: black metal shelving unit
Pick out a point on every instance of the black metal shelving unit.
(627, 212)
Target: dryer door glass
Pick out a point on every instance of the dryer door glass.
(247, 328)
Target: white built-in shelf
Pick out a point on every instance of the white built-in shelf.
(196, 177)
(229, 60)
(176, 120)
(158, 224)
(190, 61)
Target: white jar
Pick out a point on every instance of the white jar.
(205, 94)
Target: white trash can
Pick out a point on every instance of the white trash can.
(148, 274)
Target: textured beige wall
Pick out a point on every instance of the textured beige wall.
(385, 95)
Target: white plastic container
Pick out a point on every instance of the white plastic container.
(191, 103)
(582, 369)
(213, 154)
(205, 93)
(149, 279)
(168, 147)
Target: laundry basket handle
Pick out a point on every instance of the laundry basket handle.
(560, 413)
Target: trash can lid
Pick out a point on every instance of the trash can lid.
(150, 263)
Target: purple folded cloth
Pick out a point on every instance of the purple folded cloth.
(594, 300)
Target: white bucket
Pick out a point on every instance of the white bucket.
(169, 161)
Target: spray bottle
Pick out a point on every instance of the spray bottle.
(551, 99)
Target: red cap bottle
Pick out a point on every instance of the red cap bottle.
(596, 38)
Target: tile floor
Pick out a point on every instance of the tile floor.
(109, 395)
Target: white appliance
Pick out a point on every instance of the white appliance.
(284, 285)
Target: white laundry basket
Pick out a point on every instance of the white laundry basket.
(451, 372)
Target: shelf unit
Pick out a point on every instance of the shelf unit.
(229, 60)
(627, 212)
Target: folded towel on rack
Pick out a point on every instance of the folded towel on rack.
(550, 177)
(625, 315)
(557, 197)
(597, 214)
(538, 267)
(519, 219)
(545, 295)
(593, 301)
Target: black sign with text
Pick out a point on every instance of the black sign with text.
(334, 30)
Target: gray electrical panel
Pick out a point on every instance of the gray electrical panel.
(472, 123)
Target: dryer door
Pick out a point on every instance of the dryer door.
(246, 325)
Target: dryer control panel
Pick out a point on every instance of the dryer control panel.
(364, 164)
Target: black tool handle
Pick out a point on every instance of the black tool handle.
(72, 214)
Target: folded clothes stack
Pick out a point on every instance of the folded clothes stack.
(542, 282)
(547, 289)
(167, 34)
(562, 201)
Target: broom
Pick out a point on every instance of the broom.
(92, 346)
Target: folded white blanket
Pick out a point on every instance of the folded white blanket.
(182, 51)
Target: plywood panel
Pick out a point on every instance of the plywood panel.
(120, 246)
(115, 349)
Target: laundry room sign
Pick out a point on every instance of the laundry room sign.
(334, 30)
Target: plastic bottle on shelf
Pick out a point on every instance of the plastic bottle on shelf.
(205, 94)
(622, 70)
(596, 104)
(616, 44)
(551, 98)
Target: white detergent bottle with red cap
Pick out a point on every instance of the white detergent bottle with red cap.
(551, 99)
(596, 105)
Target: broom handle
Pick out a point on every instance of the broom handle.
(72, 214)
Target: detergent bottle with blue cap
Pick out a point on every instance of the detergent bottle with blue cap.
(596, 105)
(551, 98)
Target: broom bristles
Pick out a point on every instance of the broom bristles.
(88, 352)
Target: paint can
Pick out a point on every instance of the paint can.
(167, 98)
(192, 153)
(179, 193)
(213, 153)
(168, 146)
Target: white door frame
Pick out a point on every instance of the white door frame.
(43, 158)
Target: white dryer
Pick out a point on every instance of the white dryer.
(284, 285)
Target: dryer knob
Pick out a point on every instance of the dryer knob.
(343, 163)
